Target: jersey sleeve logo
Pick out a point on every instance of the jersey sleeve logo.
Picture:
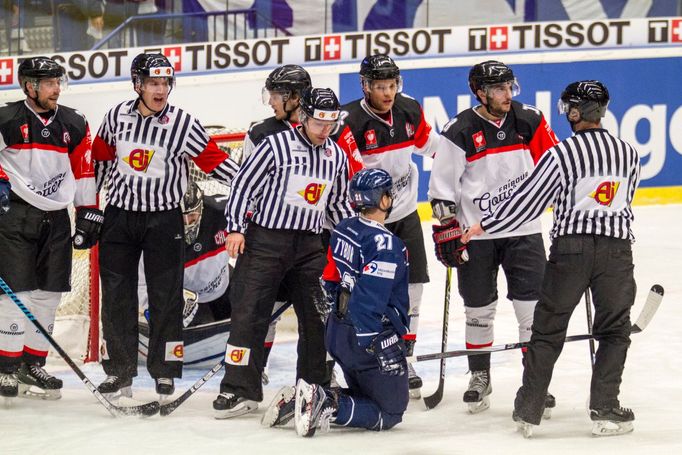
(370, 139)
(605, 193)
(24, 132)
(479, 141)
(139, 159)
(380, 269)
(313, 192)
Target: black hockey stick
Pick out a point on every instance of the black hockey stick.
(588, 308)
(651, 304)
(147, 409)
(432, 400)
(167, 408)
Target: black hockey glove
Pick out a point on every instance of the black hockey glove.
(4, 196)
(88, 226)
(389, 350)
(450, 250)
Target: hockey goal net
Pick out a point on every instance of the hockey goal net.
(77, 326)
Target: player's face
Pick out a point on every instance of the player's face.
(281, 103)
(381, 94)
(155, 92)
(319, 130)
(191, 218)
(48, 93)
(498, 97)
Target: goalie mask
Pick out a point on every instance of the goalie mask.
(192, 206)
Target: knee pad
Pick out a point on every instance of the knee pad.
(524, 310)
(479, 330)
(415, 291)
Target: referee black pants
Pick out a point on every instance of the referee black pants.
(125, 235)
(576, 262)
(271, 258)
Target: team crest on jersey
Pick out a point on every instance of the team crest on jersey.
(327, 152)
(164, 119)
(312, 192)
(24, 131)
(479, 141)
(139, 159)
(409, 129)
(605, 193)
(370, 139)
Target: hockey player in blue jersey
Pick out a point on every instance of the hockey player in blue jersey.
(366, 283)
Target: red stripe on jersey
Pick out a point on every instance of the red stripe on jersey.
(330, 272)
(10, 353)
(210, 254)
(210, 157)
(81, 158)
(423, 131)
(38, 146)
(101, 151)
(478, 346)
(504, 149)
(35, 352)
(543, 139)
(390, 148)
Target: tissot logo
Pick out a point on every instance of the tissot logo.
(6, 71)
(323, 48)
(174, 56)
(664, 31)
(493, 39)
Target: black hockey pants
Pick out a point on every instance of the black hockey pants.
(576, 262)
(272, 257)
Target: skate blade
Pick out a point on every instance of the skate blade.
(303, 411)
(526, 429)
(609, 428)
(36, 393)
(479, 406)
(416, 394)
(242, 408)
(547, 413)
(271, 414)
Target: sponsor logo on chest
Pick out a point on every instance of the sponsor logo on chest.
(139, 159)
(370, 139)
(312, 192)
(479, 141)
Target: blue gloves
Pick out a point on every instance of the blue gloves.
(389, 350)
(4, 196)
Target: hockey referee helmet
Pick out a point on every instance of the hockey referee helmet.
(491, 72)
(368, 186)
(33, 69)
(590, 97)
(192, 206)
(151, 65)
(320, 104)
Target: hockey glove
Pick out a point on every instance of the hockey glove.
(4, 196)
(330, 291)
(88, 226)
(450, 250)
(389, 350)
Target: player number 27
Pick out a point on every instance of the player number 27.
(384, 241)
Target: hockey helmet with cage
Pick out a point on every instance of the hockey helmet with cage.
(192, 206)
(33, 69)
(151, 65)
(491, 72)
(368, 186)
(590, 97)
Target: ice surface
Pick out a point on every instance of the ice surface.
(78, 424)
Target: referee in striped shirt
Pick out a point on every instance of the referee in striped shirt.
(143, 149)
(590, 179)
(299, 178)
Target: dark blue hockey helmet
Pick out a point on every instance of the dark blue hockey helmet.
(368, 186)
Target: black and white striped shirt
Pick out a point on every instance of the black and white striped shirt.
(144, 160)
(590, 179)
(296, 185)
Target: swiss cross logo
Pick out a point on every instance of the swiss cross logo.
(174, 56)
(6, 71)
(370, 139)
(479, 141)
(331, 47)
(676, 31)
(498, 38)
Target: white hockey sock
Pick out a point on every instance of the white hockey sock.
(479, 331)
(524, 310)
(12, 324)
(415, 291)
(43, 304)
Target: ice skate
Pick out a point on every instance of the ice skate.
(36, 383)
(281, 408)
(414, 382)
(165, 387)
(477, 395)
(228, 405)
(115, 387)
(9, 388)
(314, 409)
(522, 426)
(550, 403)
(612, 421)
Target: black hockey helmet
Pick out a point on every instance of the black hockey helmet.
(378, 67)
(368, 186)
(491, 72)
(288, 78)
(590, 97)
(36, 68)
(151, 65)
(320, 104)
(192, 206)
